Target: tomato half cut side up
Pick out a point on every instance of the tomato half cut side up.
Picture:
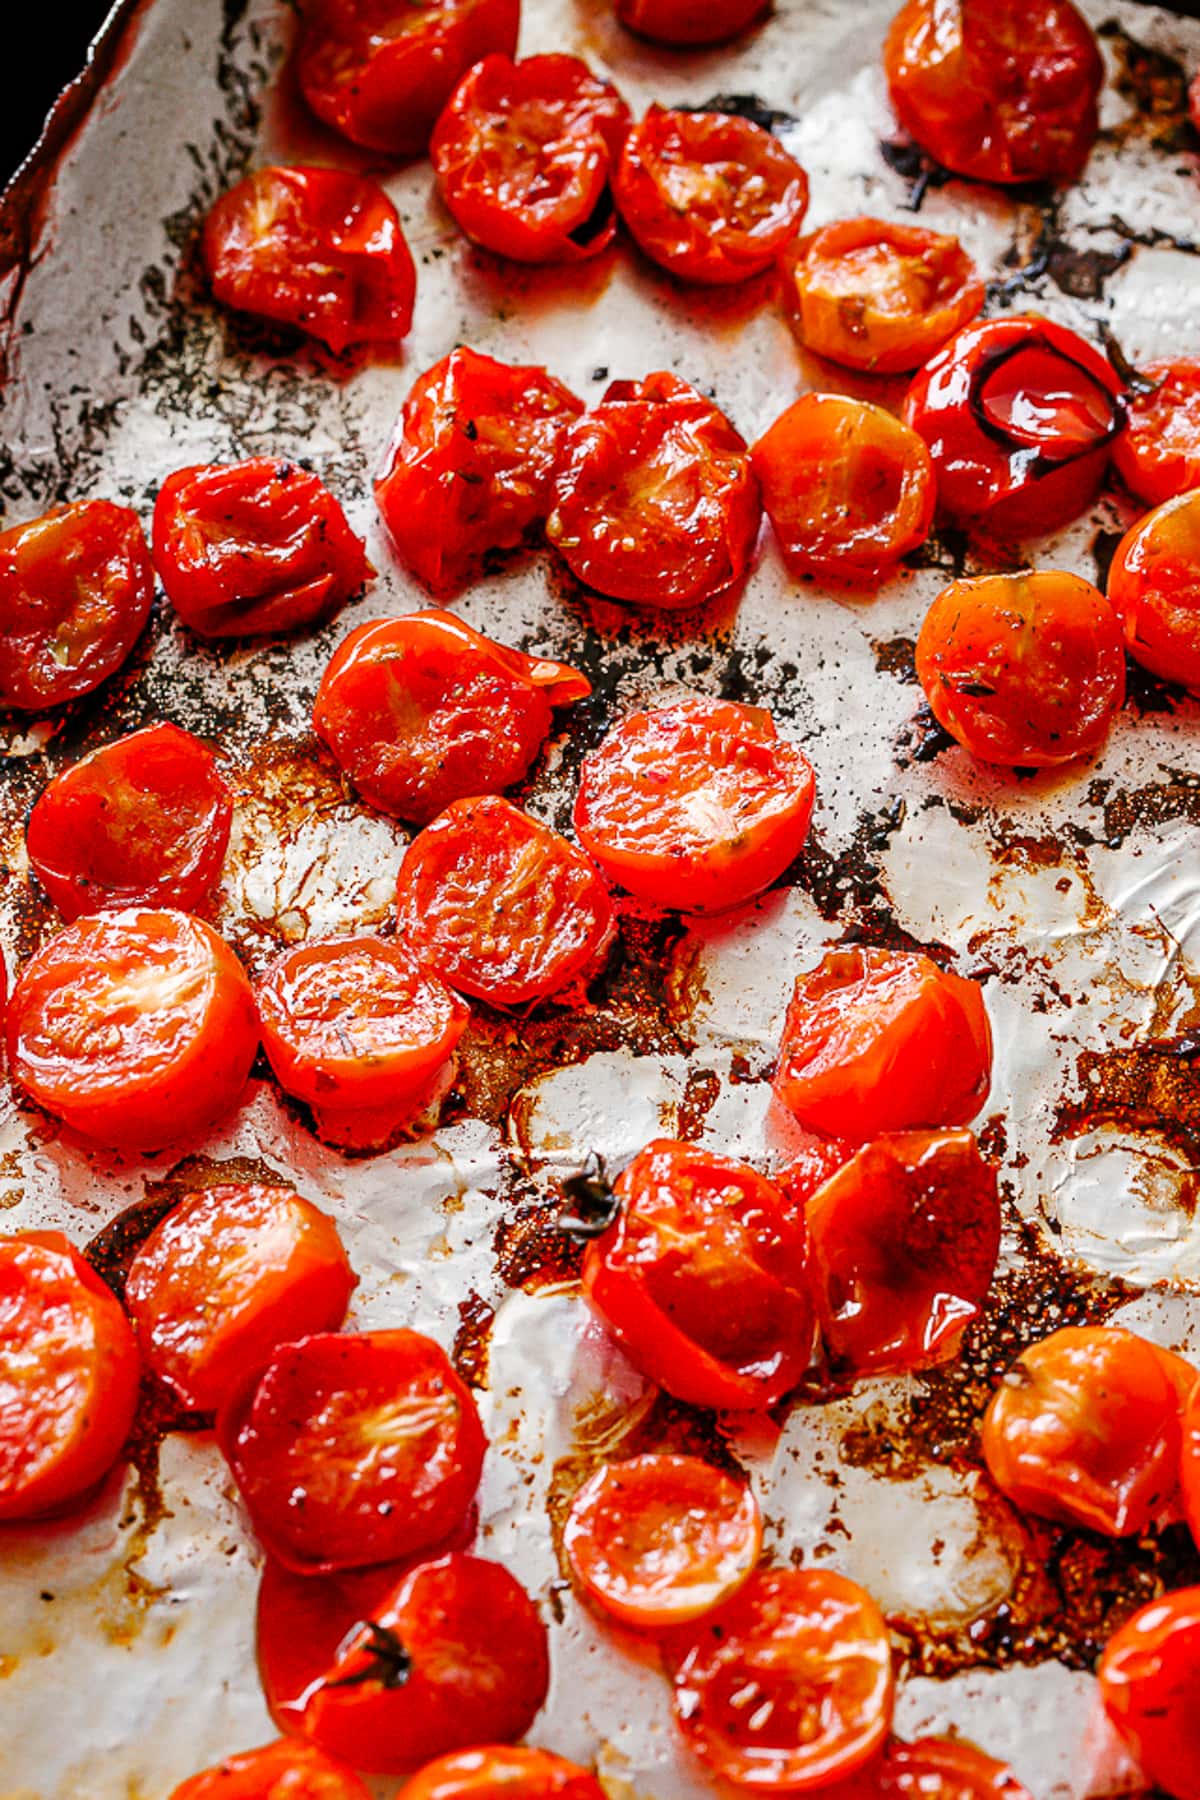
(932, 1769)
(503, 1772)
(1150, 1687)
(1154, 583)
(682, 23)
(286, 1770)
(1157, 455)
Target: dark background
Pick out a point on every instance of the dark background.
(55, 51)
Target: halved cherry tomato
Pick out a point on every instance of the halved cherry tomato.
(847, 487)
(317, 248)
(932, 1769)
(286, 1770)
(1024, 670)
(142, 821)
(380, 71)
(683, 22)
(254, 546)
(135, 1028)
(359, 1030)
(882, 1040)
(422, 710)
(1154, 583)
(503, 1772)
(231, 1273)
(1158, 453)
(500, 906)
(1150, 1685)
(703, 1277)
(470, 463)
(710, 196)
(75, 592)
(68, 1375)
(875, 295)
(698, 805)
(999, 90)
(1085, 1428)
(523, 154)
(789, 1685)
(1019, 415)
(655, 500)
(659, 1540)
(812, 1167)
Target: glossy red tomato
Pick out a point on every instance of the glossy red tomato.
(932, 1769)
(1150, 1685)
(75, 592)
(500, 906)
(286, 1770)
(1183, 1379)
(882, 1040)
(68, 1375)
(143, 821)
(229, 1274)
(1024, 670)
(1194, 100)
(422, 710)
(789, 1685)
(523, 153)
(1158, 453)
(655, 500)
(253, 547)
(1000, 90)
(470, 464)
(135, 1028)
(503, 1772)
(848, 489)
(709, 196)
(682, 22)
(1154, 583)
(703, 1277)
(316, 248)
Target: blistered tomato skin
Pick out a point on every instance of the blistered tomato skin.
(1158, 454)
(287, 1770)
(1151, 1690)
(681, 23)
(503, 1772)
(1154, 583)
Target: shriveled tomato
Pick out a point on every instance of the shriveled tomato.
(1000, 90)
(655, 500)
(523, 153)
(320, 249)
(708, 195)
(68, 1375)
(1085, 1428)
(503, 1772)
(1154, 583)
(1150, 1685)
(1158, 453)
(470, 464)
(500, 906)
(75, 592)
(789, 1685)
(422, 710)
(254, 546)
(135, 1028)
(142, 821)
(659, 1540)
(882, 1040)
(932, 1769)
(286, 1770)
(682, 22)
(848, 489)
(231, 1273)
(703, 1277)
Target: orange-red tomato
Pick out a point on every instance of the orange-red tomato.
(1158, 453)
(659, 1540)
(1024, 670)
(682, 22)
(882, 1040)
(503, 1772)
(1187, 1396)
(1154, 583)
(1150, 1685)
(698, 805)
(231, 1273)
(68, 1375)
(932, 1769)
(1194, 100)
(286, 1770)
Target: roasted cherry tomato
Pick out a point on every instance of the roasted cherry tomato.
(1158, 453)
(523, 154)
(393, 1669)
(316, 248)
(1019, 415)
(697, 806)
(423, 710)
(135, 1028)
(789, 1685)
(1187, 1395)
(683, 22)
(503, 1772)
(655, 499)
(1000, 90)
(932, 1769)
(703, 1277)
(847, 487)
(75, 592)
(882, 1040)
(287, 1770)
(1150, 1685)
(470, 464)
(1085, 1428)
(1194, 100)
(357, 1029)
(68, 1375)
(710, 196)
(875, 295)
(380, 71)
(501, 906)
(903, 1240)
(254, 546)
(1024, 670)
(231, 1273)
(1154, 583)
(143, 821)
(660, 1540)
